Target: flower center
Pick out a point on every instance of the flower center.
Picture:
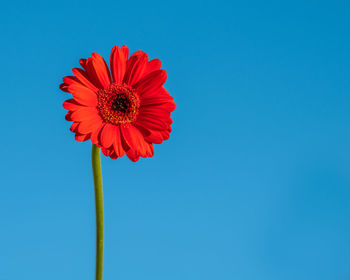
(118, 104)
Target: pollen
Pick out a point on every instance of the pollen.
(118, 104)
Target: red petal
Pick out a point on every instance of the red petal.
(83, 63)
(67, 81)
(136, 142)
(118, 63)
(113, 155)
(135, 67)
(149, 85)
(64, 87)
(125, 51)
(152, 136)
(95, 135)
(83, 78)
(106, 152)
(70, 80)
(117, 144)
(74, 126)
(85, 113)
(160, 96)
(158, 100)
(90, 71)
(72, 105)
(151, 149)
(132, 156)
(81, 137)
(68, 116)
(83, 95)
(89, 126)
(107, 135)
(168, 106)
(101, 69)
(154, 112)
(153, 65)
(151, 122)
(155, 137)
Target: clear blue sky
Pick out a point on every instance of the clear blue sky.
(254, 182)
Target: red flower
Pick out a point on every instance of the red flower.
(123, 110)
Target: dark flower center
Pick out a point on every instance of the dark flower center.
(118, 104)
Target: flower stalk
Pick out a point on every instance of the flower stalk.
(97, 174)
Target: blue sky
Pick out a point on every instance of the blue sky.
(254, 182)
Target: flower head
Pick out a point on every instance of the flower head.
(123, 110)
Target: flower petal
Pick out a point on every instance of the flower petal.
(82, 137)
(95, 135)
(118, 61)
(67, 81)
(154, 112)
(70, 80)
(74, 127)
(153, 65)
(84, 114)
(83, 78)
(90, 71)
(83, 95)
(125, 50)
(167, 106)
(106, 152)
(160, 96)
(152, 136)
(155, 100)
(113, 155)
(152, 122)
(89, 126)
(117, 144)
(155, 137)
(68, 116)
(132, 155)
(64, 87)
(136, 142)
(135, 67)
(107, 135)
(72, 105)
(101, 69)
(149, 85)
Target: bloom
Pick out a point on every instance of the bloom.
(122, 110)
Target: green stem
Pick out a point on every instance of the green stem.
(96, 171)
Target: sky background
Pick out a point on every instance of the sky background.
(254, 182)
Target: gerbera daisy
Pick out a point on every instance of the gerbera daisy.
(123, 110)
